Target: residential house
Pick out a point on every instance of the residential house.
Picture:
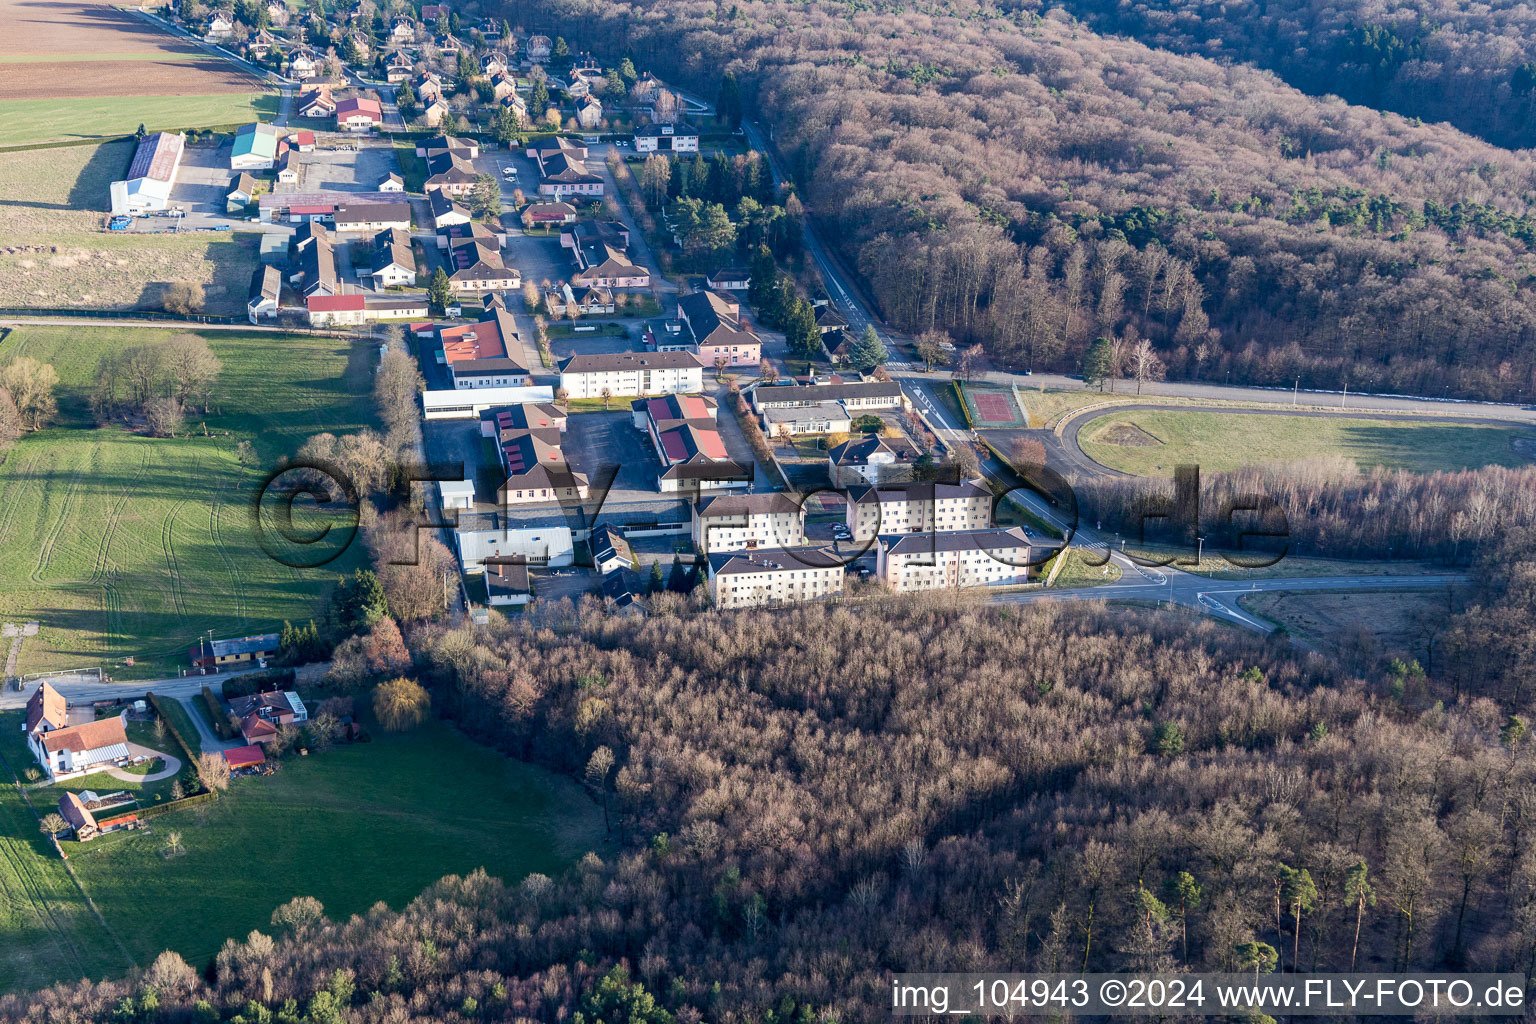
(604, 266)
(719, 335)
(666, 138)
(562, 175)
(427, 86)
(582, 234)
(265, 292)
(918, 508)
(263, 714)
(514, 102)
(402, 31)
(871, 460)
(507, 582)
(317, 103)
(490, 29)
(240, 651)
(464, 149)
(358, 114)
(221, 26)
(502, 86)
(391, 182)
(478, 355)
(729, 279)
(81, 749)
(304, 63)
(610, 550)
(625, 592)
(434, 112)
(259, 45)
(968, 558)
(392, 265)
(769, 578)
(746, 522)
(277, 13)
(370, 217)
(537, 48)
(449, 45)
(586, 375)
(563, 301)
(151, 173)
(47, 710)
(432, 12)
(78, 817)
(398, 66)
(494, 63)
(589, 112)
(446, 212)
(451, 174)
(242, 189)
(548, 214)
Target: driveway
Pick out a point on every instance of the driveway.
(209, 742)
(172, 765)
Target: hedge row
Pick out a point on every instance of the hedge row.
(964, 409)
(252, 682)
(155, 810)
(216, 715)
(181, 741)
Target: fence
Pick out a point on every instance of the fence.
(120, 314)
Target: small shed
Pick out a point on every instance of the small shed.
(245, 757)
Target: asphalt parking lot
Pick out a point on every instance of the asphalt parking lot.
(597, 443)
(342, 170)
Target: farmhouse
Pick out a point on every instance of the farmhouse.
(718, 333)
(262, 300)
(241, 650)
(255, 147)
(79, 749)
(754, 579)
(967, 558)
(392, 264)
(46, 710)
(746, 522)
(675, 138)
(586, 375)
(150, 175)
(358, 114)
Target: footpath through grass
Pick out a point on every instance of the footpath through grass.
(122, 545)
(1222, 441)
(354, 825)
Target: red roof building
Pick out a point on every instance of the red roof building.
(245, 757)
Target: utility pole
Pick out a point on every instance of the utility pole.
(1345, 402)
(1295, 392)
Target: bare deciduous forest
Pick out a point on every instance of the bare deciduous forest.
(810, 799)
(1027, 183)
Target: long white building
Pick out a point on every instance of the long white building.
(630, 374)
(964, 558)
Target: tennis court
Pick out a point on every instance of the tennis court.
(992, 407)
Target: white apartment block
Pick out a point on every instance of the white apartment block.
(747, 522)
(918, 508)
(631, 373)
(969, 558)
(756, 579)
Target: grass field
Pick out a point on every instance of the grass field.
(1078, 573)
(1389, 622)
(122, 545)
(52, 205)
(396, 812)
(1218, 441)
(29, 121)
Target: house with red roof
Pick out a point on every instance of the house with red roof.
(478, 355)
(358, 114)
(681, 429)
